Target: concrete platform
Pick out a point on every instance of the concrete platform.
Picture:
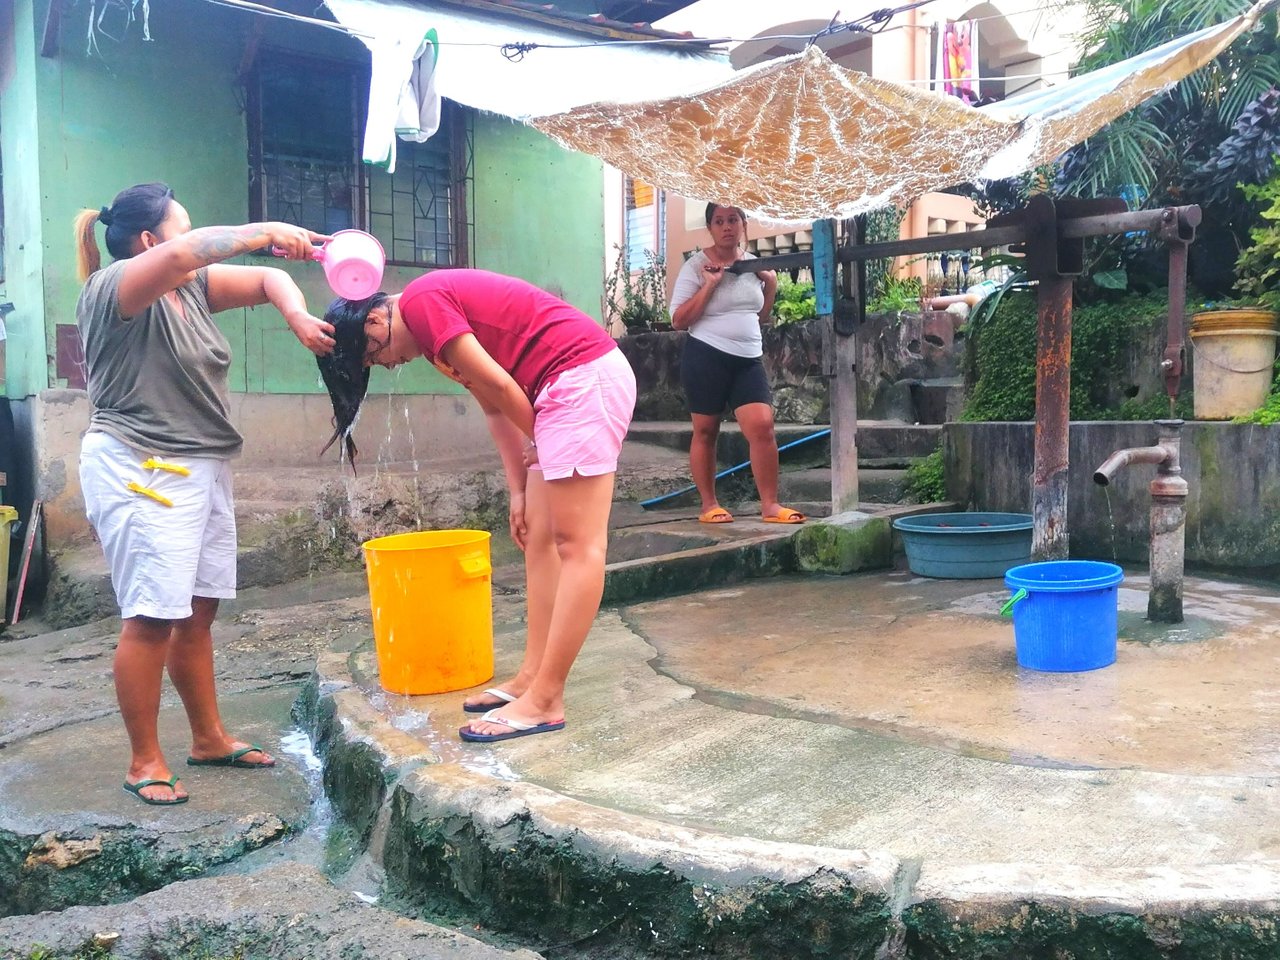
(862, 756)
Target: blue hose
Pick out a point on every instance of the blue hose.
(653, 501)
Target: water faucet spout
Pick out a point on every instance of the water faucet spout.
(1159, 454)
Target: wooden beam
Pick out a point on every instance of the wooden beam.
(251, 44)
(841, 348)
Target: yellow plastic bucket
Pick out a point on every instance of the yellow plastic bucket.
(1234, 352)
(431, 596)
(8, 516)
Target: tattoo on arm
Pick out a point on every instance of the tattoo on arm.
(215, 244)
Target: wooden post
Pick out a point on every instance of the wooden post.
(840, 348)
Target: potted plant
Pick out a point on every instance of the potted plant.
(637, 298)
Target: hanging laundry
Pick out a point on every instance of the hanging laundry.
(403, 100)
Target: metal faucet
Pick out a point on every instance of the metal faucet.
(1168, 516)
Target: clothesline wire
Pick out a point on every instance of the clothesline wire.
(272, 12)
(874, 22)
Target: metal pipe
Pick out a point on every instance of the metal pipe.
(1122, 458)
(1137, 221)
(1168, 516)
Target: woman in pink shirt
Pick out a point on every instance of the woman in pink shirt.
(558, 397)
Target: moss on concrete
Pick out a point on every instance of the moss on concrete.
(114, 864)
(1035, 931)
(844, 547)
(522, 880)
(355, 783)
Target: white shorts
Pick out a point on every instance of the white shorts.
(160, 555)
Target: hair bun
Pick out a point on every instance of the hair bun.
(105, 217)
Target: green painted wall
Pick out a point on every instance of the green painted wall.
(25, 361)
(539, 211)
(170, 110)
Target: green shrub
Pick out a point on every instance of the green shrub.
(639, 299)
(1003, 366)
(896, 294)
(1258, 267)
(794, 301)
(926, 479)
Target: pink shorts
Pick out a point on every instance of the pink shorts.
(581, 418)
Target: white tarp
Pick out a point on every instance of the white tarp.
(472, 70)
(804, 138)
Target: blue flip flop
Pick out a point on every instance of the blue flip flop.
(517, 729)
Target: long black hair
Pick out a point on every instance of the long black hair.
(135, 209)
(344, 372)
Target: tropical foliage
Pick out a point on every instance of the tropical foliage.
(794, 301)
(1192, 144)
(1258, 266)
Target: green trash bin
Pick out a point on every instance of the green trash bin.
(8, 517)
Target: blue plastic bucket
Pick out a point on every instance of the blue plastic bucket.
(1064, 614)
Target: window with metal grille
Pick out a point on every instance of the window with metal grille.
(305, 127)
(646, 226)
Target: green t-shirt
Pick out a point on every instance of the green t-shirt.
(157, 381)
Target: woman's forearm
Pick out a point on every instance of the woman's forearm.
(510, 443)
(282, 292)
(691, 311)
(207, 245)
(510, 401)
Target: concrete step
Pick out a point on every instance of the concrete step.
(938, 401)
(876, 439)
(814, 484)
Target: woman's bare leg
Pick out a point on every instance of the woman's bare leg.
(541, 577)
(702, 458)
(756, 422)
(190, 665)
(579, 509)
(139, 671)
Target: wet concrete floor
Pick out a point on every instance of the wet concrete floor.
(888, 712)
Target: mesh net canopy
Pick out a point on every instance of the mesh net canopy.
(803, 138)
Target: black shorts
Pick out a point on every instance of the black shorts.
(715, 381)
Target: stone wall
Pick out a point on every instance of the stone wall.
(895, 352)
(1233, 470)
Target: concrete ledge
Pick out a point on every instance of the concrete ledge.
(671, 573)
(285, 911)
(996, 910)
(522, 857)
(69, 835)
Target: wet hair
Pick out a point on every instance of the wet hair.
(344, 372)
(713, 207)
(141, 207)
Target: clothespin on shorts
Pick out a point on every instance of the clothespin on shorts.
(155, 464)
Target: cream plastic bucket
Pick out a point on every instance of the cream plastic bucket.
(1233, 369)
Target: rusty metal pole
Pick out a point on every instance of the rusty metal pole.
(1044, 249)
(1178, 230)
(1049, 539)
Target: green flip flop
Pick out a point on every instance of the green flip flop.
(232, 759)
(172, 783)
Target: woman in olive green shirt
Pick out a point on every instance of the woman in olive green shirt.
(155, 463)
